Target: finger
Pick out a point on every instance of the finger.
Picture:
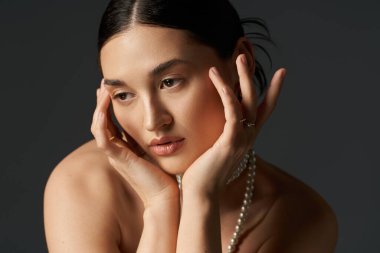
(102, 136)
(100, 95)
(116, 148)
(95, 115)
(230, 102)
(132, 144)
(111, 128)
(104, 105)
(104, 98)
(123, 158)
(247, 87)
(111, 125)
(114, 130)
(269, 103)
(102, 108)
(98, 91)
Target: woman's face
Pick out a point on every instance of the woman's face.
(153, 99)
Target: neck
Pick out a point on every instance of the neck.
(233, 194)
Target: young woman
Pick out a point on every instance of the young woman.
(181, 174)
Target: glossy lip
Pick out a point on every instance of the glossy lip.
(166, 145)
(164, 139)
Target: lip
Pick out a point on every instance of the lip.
(166, 145)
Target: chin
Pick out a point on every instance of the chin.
(173, 165)
(176, 164)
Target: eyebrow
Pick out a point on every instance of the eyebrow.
(154, 72)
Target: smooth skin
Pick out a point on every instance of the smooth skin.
(118, 196)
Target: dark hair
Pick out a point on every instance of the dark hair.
(214, 23)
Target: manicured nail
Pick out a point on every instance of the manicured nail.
(283, 74)
(243, 59)
(215, 71)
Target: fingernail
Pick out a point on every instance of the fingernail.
(283, 74)
(243, 59)
(215, 71)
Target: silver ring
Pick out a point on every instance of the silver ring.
(246, 123)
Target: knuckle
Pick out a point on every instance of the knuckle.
(235, 121)
(102, 145)
(94, 131)
(129, 158)
(108, 152)
(230, 101)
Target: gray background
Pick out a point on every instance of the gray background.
(324, 130)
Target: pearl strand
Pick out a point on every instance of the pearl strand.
(246, 204)
(240, 169)
(249, 157)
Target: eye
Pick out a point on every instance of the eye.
(123, 96)
(170, 82)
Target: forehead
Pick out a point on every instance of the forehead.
(143, 47)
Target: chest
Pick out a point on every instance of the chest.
(250, 240)
(253, 232)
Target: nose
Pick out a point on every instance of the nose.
(156, 116)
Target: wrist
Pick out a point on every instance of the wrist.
(201, 219)
(208, 197)
(162, 211)
(200, 192)
(160, 221)
(169, 196)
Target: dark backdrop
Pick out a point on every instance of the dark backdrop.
(324, 130)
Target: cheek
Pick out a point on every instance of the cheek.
(130, 122)
(203, 114)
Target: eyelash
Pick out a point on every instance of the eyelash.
(117, 96)
(176, 80)
(172, 79)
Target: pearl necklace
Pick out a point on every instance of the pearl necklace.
(246, 202)
(249, 157)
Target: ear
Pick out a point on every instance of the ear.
(243, 46)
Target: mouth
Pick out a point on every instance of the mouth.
(167, 148)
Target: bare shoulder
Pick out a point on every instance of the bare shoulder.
(86, 168)
(301, 219)
(81, 197)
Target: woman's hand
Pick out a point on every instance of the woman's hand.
(210, 172)
(150, 182)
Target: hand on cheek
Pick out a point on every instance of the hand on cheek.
(243, 120)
